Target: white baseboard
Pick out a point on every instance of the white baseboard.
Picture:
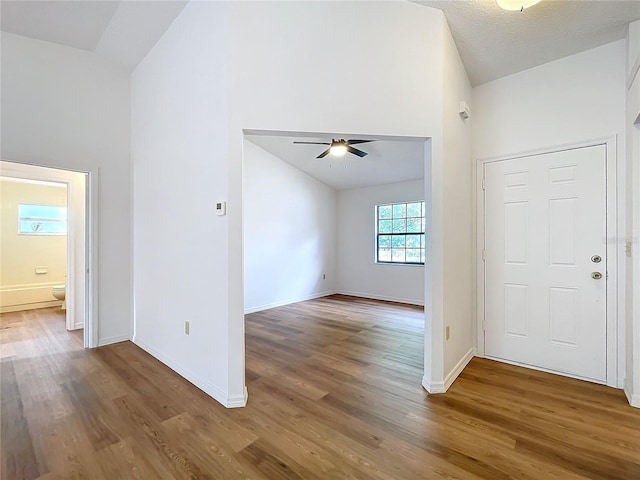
(218, 394)
(442, 387)
(386, 298)
(634, 399)
(457, 370)
(115, 339)
(235, 401)
(433, 387)
(30, 306)
(289, 301)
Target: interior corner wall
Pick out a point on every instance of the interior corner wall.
(180, 160)
(459, 284)
(632, 120)
(289, 233)
(358, 273)
(220, 69)
(553, 105)
(69, 109)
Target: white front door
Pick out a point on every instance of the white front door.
(545, 241)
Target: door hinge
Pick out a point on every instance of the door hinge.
(483, 184)
(484, 325)
(484, 254)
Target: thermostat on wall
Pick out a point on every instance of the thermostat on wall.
(221, 208)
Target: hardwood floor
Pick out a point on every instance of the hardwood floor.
(334, 392)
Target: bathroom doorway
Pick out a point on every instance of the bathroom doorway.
(56, 218)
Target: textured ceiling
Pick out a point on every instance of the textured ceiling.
(494, 43)
(388, 161)
(123, 31)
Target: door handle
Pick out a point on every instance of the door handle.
(596, 275)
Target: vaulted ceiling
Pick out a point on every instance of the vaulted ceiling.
(492, 43)
(122, 31)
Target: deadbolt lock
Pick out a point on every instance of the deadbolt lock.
(596, 259)
(596, 275)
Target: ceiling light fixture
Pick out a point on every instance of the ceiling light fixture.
(516, 5)
(338, 149)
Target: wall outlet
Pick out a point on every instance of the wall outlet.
(186, 328)
(446, 333)
(324, 276)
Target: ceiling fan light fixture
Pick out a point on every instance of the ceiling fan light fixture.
(338, 149)
(516, 5)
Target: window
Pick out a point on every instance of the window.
(42, 220)
(400, 233)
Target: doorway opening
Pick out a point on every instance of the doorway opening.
(52, 219)
(310, 228)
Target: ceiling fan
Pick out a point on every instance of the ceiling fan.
(339, 147)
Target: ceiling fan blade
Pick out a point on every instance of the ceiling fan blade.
(324, 154)
(357, 152)
(313, 143)
(355, 142)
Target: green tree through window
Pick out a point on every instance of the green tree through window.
(400, 236)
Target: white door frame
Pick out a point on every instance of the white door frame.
(36, 172)
(614, 194)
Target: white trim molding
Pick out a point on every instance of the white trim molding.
(282, 303)
(217, 393)
(384, 298)
(634, 399)
(82, 260)
(442, 387)
(115, 339)
(433, 388)
(237, 401)
(457, 370)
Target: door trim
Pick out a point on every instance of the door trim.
(90, 279)
(614, 207)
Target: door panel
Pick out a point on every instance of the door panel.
(545, 217)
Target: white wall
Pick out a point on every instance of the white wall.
(68, 108)
(358, 274)
(575, 99)
(180, 158)
(632, 386)
(289, 233)
(219, 69)
(21, 287)
(457, 186)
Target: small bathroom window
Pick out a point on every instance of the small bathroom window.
(42, 220)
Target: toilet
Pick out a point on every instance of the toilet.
(59, 292)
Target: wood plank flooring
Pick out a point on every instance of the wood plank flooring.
(334, 393)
